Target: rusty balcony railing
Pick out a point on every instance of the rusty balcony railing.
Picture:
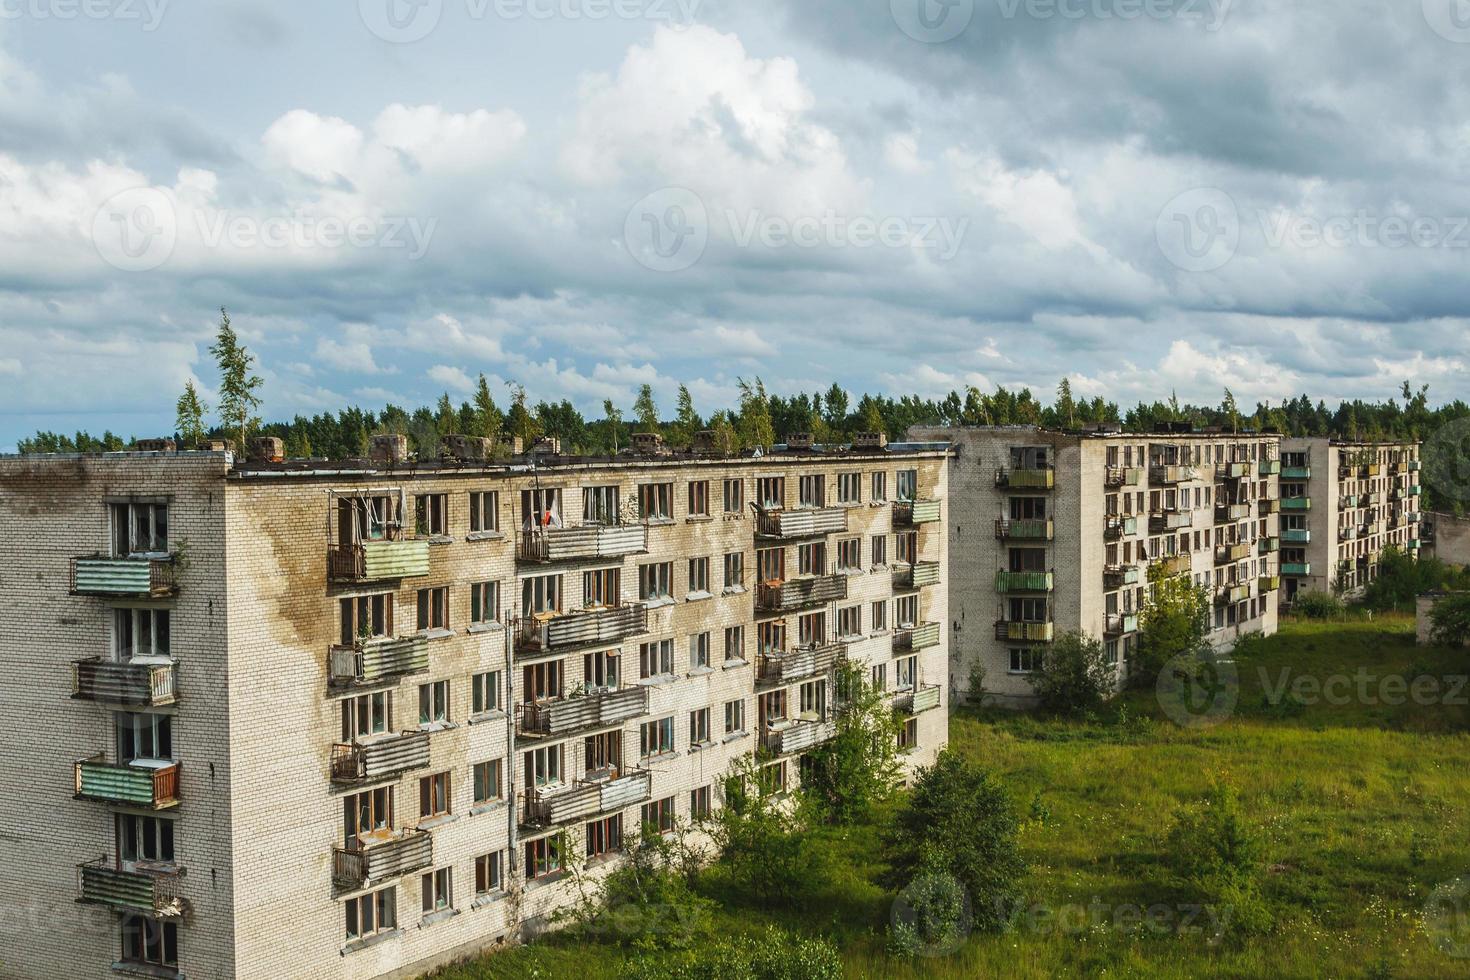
(1117, 526)
(1162, 521)
(1226, 554)
(1025, 530)
(916, 576)
(592, 542)
(799, 593)
(585, 799)
(132, 578)
(126, 683)
(1117, 576)
(1123, 476)
(377, 561)
(925, 697)
(1120, 624)
(794, 665)
(152, 787)
(373, 661)
(601, 709)
(1227, 512)
(797, 736)
(912, 513)
(1017, 631)
(152, 893)
(920, 636)
(380, 858)
(1168, 475)
(366, 762)
(801, 523)
(587, 627)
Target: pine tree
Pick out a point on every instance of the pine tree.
(189, 423)
(1066, 407)
(520, 422)
(488, 418)
(1230, 411)
(237, 390)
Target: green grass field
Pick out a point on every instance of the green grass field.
(1364, 809)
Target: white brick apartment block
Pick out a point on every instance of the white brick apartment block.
(351, 719)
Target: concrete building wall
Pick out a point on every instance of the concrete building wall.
(1451, 538)
(55, 509)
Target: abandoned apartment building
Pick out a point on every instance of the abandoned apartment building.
(1053, 531)
(355, 718)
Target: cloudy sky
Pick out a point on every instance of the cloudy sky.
(392, 196)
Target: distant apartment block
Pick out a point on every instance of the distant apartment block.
(350, 719)
(1342, 504)
(1053, 531)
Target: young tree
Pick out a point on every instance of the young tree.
(686, 421)
(189, 422)
(835, 410)
(488, 418)
(959, 821)
(237, 389)
(446, 420)
(755, 425)
(1066, 405)
(1172, 623)
(858, 768)
(646, 409)
(1230, 411)
(520, 422)
(1074, 676)
(614, 421)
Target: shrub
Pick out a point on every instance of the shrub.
(960, 821)
(1219, 854)
(1450, 619)
(763, 842)
(1074, 676)
(1317, 605)
(772, 955)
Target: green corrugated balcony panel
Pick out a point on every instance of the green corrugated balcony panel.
(1296, 568)
(1024, 581)
(1270, 467)
(135, 577)
(152, 786)
(1032, 479)
(1270, 545)
(1296, 473)
(1296, 503)
(1296, 535)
